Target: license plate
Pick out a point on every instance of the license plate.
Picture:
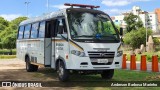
(102, 60)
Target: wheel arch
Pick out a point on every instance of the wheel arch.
(58, 60)
(27, 55)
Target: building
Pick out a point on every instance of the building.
(149, 19)
(157, 11)
(153, 22)
(118, 20)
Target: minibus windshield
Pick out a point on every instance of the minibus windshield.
(87, 26)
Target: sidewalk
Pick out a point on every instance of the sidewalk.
(149, 66)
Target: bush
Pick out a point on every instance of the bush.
(148, 55)
(156, 41)
(13, 51)
(7, 56)
(7, 52)
(138, 57)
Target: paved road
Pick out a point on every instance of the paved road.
(149, 66)
(12, 64)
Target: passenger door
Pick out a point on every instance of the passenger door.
(45, 53)
(48, 43)
(61, 40)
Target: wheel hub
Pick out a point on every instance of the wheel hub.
(61, 71)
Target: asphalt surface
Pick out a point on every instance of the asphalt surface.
(149, 66)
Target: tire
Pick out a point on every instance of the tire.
(30, 67)
(107, 74)
(63, 73)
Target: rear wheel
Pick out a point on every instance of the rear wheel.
(30, 67)
(63, 73)
(107, 74)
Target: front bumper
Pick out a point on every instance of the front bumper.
(84, 63)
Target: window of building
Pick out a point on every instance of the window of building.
(42, 29)
(34, 31)
(27, 31)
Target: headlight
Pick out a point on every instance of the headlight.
(120, 51)
(78, 53)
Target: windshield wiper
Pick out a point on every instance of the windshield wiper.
(83, 36)
(111, 36)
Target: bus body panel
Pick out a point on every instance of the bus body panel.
(38, 50)
(60, 51)
(75, 61)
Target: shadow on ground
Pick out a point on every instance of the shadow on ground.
(49, 78)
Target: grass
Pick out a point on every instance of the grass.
(126, 75)
(122, 88)
(92, 81)
(7, 56)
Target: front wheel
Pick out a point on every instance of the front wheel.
(107, 74)
(63, 73)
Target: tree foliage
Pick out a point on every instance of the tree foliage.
(136, 38)
(133, 22)
(9, 32)
(14, 23)
(3, 23)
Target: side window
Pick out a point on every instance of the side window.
(27, 31)
(20, 33)
(50, 29)
(34, 31)
(42, 29)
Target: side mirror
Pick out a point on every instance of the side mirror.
(121, 31)
(60, 29)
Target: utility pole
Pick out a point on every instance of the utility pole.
(27, 3)
(47, 5)
(147, 30)
(146, 35)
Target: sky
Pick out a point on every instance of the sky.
(11, 9)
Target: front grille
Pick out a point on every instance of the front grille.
(95, 55)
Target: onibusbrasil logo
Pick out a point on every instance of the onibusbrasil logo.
(21, 84)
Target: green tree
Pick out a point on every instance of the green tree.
(135, 39)
(9, 41)
(8, 35)
(133, 22)
(3, 23)
(15, 23)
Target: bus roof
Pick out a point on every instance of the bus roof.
(57, 14)
(44, 17)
